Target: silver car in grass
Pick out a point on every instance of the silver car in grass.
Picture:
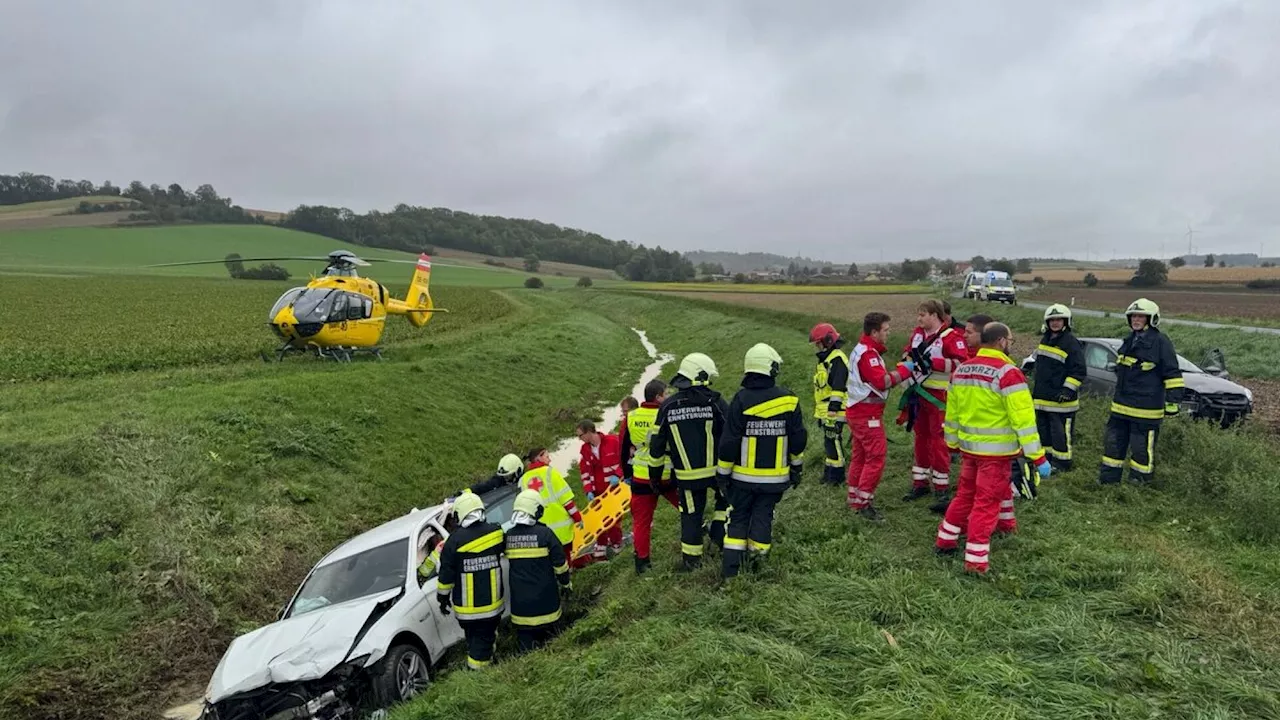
(361, 633)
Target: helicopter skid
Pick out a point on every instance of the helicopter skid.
(338, 353)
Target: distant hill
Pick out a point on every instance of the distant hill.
(734, 262)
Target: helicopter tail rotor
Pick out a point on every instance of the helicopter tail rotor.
(419, 295)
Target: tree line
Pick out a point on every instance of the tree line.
(155, 204)
(415, 229)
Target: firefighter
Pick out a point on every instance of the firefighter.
(600, 466)
(830, 385)
(538, 570)
(471, 578)
(937, 349)
(646, 486)
(509, 469)
(761, 454)
(687, 428)
(869, 383)
(1060, 370)
(991, 420)
(561, 514)
(1149, 387)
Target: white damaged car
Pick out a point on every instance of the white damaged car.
(360, 634)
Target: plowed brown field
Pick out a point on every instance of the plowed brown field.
(1242, 304)
(1190, 275)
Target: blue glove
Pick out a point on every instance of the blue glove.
(909, 364)
(613, 481)
(1045, 469)
(591, 496)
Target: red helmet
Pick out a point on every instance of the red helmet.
(824, 333)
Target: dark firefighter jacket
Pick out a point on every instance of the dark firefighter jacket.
(765, 435)
(494, 482)
(471, 571)
(687, 429)
(1148, 378)
(1060, 370)
(831, 383)
(538, 566)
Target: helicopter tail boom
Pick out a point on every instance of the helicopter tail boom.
(419, 295)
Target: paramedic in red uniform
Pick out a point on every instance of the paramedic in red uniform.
(868, 388)
(600, 466)
(944, 349)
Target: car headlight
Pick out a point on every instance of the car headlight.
(1248, 394)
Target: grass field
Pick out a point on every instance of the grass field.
(147, 517)
(50, 207)
(735, 288)
(128, 250)
(1109, 603)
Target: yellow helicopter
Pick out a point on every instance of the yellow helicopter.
(339, 313)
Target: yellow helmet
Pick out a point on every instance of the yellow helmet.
(467, 503)
(510, 464)
(763, 359)
(698, 368)
(528, 502)
(1143, 306)
(1057, 310)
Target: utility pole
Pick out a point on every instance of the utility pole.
(1191, 235)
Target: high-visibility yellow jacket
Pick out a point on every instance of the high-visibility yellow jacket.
(831, 384)
(989, 410)
(560, 511)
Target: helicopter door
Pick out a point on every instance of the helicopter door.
(338, 311)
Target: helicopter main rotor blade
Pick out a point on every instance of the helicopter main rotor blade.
(243, 259)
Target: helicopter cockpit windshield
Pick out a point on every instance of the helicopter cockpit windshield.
(284, 301)
(313, 305)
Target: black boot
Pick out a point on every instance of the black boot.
(941, 501)
(917, 492)
(642, 564)
(689, 563)
(871, 513)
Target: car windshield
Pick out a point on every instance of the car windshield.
(368, 573)
(1186, 366)
(1001, 283)
(498, 509)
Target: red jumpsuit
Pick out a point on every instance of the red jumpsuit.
(596, 464)
(868, 387)
(932, 458)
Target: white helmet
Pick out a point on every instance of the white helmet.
(763, 359)
(1057, 310)
(698, 368)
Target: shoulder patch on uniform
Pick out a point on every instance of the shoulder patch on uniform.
(873, 362)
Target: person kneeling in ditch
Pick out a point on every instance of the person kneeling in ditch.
(991, 419)
(539, 573)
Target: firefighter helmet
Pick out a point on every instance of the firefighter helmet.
(1143, 306)
(467, 503)
(763, 359)
(824, 333)
(510, 465)
(528, 502)
(1057, 310)
(698, 368)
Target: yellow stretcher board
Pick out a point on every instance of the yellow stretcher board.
(605, 511)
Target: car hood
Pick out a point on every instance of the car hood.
(305, 647)
(1204, 383)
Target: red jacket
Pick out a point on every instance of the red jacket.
(596, 471)
(871, 368)
(947, 352)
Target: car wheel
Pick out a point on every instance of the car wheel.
(405, 674)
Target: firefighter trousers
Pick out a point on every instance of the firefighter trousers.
(481, 636)
(982, 490)
(932, 458)
(693, 509)
(532, 637)
(866, 457)
(1131, 437)
(750, 527)
(1057, 435)
(833, 450)
(644, 501)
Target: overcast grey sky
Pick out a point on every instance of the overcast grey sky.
(835, 129)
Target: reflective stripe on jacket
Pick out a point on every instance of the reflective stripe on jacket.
(830, 384)
(537, 564)
(1148, 379)
(471, 571)
(559, 507)
(687, 432)
(765, 436)
(1059, 368)
(989, 411)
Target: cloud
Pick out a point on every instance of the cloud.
(846, 131)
